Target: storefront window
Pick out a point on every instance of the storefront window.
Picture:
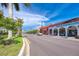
(62, 31)
(55, 32)
(50, 31)
(72, 31)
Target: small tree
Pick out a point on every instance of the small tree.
(18, 24)
(9, 25)
(9, 6)
(1, 13)
(1, 19)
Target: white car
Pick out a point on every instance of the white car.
(39, 34)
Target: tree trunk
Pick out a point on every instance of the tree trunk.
(9, 34)
(10, 10)
(18, 32)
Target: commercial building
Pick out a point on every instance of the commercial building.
(68, 28)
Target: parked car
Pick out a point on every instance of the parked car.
(77, 37)
(39, 34)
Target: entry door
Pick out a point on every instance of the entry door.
(72, 33)
(50, 31)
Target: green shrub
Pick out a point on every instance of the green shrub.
(1, 41)
(1, 37)
(8, 42)
(11, 49)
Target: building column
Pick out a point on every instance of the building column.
(53, 31)
(77, 30)
(66, 32)
(58, 32)
(48, 31)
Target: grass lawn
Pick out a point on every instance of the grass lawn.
(12, 49)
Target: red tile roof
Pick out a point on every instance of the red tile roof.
(44, 27)
(71, 20)
(52, 25)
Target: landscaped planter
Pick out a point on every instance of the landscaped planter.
(11, 49)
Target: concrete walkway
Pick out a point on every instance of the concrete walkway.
(65, 38)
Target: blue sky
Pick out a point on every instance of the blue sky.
(44, 14)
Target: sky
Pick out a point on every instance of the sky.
(44, 14)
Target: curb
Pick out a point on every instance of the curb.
(22, 49)
(28, 47)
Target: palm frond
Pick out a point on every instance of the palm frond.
(4, 4)
(16, 5)
(27, 4)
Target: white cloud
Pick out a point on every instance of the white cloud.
(30, 19)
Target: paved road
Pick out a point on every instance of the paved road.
(50, 46)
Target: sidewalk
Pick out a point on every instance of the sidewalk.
(65, 38)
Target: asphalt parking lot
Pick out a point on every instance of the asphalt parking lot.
(47, 45)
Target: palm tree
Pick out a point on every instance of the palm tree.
(9, 25)
(10, 9)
